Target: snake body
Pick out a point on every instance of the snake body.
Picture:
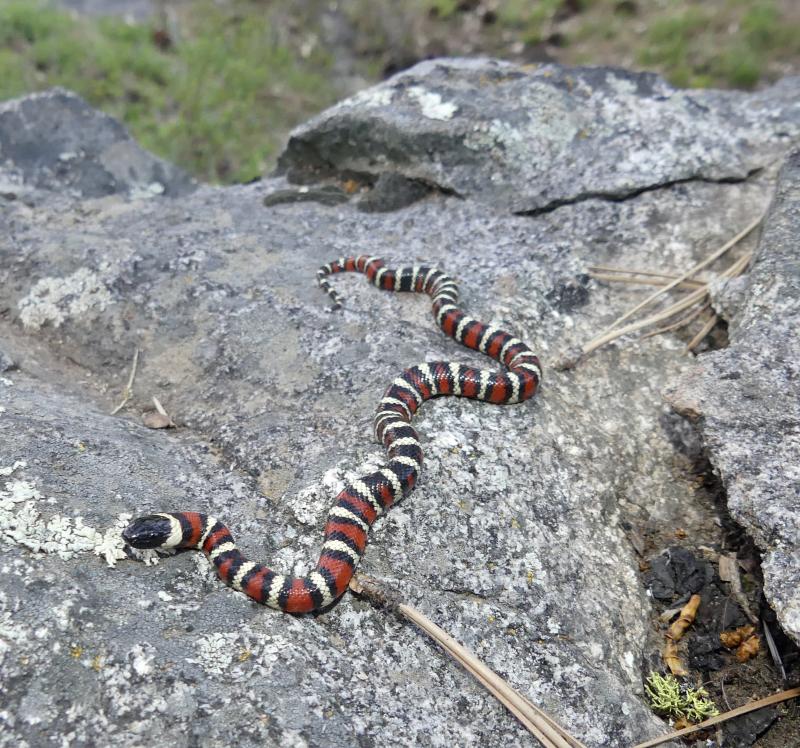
(364, 500)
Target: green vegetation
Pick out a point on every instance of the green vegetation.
(686, 46)
(218, 101)
(217, 89)
(670, 698)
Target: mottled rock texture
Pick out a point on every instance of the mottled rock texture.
(746, 400)
(57, 141)
(513, 540)
(530, 143)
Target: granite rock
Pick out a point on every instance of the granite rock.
(513, 539)
(531, 139)
(56, 141)
(746, 401)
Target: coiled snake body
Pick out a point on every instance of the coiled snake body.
(358, 505)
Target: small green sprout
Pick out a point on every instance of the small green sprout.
(670, 698)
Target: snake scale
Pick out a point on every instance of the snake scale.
(360, 503)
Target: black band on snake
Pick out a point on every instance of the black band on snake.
(358, 505)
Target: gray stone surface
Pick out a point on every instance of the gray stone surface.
(532, 139)
(746, 400)
(56, 141)
(512, 541)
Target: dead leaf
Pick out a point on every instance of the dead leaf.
(155, 420)
(350, 186)
(672, 660)
(748, 648)
(686, 618)
(728, 568)
(734, 637)
(675, 632)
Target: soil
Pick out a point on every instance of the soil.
(730, 683)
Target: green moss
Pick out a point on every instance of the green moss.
(526, 15)
(29, 22)
(669, 40)
(739, 68)
(765, 31)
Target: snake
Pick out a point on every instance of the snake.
(362, 501)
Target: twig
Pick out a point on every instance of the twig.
(753, 706)
(128, 391)
(548, 732)
(159, 407)
(689, 273)
(729, 572)
(511, 699)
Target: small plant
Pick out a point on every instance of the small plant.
(670, 698)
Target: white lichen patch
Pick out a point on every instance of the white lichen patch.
(11, 634)
(54, 300)
(233, 655)
(23, 523)
(371, 97)
(216, 652)
(147, 191)
(142, 661)
(18, 465)
(309, 504)
(431, 104)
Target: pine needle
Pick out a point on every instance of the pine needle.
(548, 732)
(645, 281)
(630, 271)
(695, 297)
(612, 334)
(682, 322)
(753, 706)
(692, 271)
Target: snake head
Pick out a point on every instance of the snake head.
(151, 531)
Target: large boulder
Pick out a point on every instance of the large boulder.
(515, 539)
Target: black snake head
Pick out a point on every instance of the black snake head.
(151, 531)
